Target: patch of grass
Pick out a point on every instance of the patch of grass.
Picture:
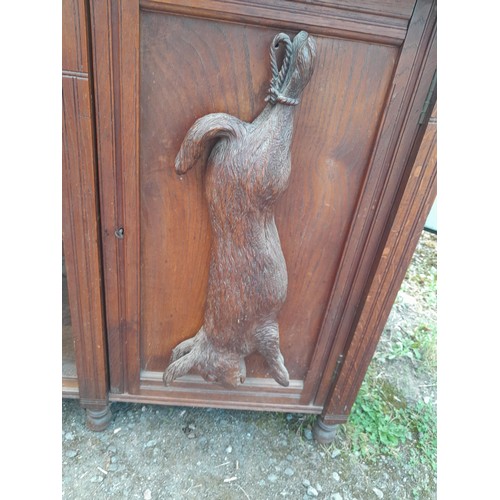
(393, 421)
(422, 421)
(426, 337)
(419, 345)
(382, 422)
(376, 424)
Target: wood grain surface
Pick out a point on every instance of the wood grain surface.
(158, 65)
(74, 37)
(81, 243)
(379, 22)
(190, 67)
(246, 170)
(398, 250)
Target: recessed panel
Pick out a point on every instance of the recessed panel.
(191, 67)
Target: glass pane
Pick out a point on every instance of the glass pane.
(68, 347)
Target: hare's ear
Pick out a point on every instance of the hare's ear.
(201, 138)
(179, 368)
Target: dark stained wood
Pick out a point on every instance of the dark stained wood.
(158, 66)
(74, 37)
(84, 341)
(81, 244)
(327, 165)
(324, 433)
(384, 22)
(379, 193)
(247, 170)
(115, 44)
(98, 419)
(413, 209)
(191, 390)
(223, 65)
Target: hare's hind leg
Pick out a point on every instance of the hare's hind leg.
(179, 368)
(267, 337)
(213, 364)
(182, 349)
(184, 357)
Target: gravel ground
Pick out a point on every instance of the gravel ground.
(159, 452)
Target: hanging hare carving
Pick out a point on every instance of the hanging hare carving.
(247, 169)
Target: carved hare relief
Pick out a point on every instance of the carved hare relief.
(247, 169)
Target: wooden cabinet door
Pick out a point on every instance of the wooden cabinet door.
(84, 373)
(161, 64)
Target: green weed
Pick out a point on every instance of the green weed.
(375, 424)
(422, 421)
(298, 423)
(382, 422)
(418, 345)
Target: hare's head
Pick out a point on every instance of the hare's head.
(214, 365)
(227, 370)
(296, 70)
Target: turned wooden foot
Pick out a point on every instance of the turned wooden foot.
(98, 420)
(324, 433)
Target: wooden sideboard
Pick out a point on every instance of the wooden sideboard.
(136, 237)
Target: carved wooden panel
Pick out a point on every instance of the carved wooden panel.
(162, 64)
(247, 171)
(223, 67)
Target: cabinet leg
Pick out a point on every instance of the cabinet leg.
(324, 433)
(98, 419)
